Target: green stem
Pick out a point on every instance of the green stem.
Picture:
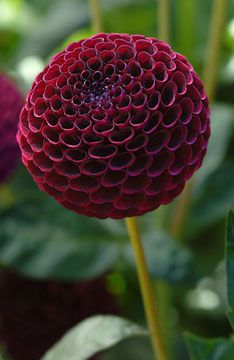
(186, 10)
(164, 20)
(6, 196)
(96, 18)
(213, 53)
(163, 302)
(146, 290)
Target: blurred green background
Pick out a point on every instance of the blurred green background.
(40, 239)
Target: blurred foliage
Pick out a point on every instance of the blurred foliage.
(215, 197)
(166, 258)
(41, 239)
(219, 349)
(230, 265)
(136, 348)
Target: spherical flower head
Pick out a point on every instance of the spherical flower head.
(115, 125)
(47, 310)
(11, 103)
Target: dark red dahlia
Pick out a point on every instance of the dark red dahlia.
(11, 104)
(34, 314)
(115, 125)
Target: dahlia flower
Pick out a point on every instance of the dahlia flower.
(115, 125)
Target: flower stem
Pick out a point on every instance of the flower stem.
(163, 20)
(96, 18)
(6, 196)
(146, 290)
(186, 14)
(163, 294)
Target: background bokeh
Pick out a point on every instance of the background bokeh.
(44, 242)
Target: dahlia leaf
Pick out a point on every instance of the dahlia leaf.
(213, 200)
(215, 349)
(41, 239)
(230, 266)
(93, 335)
(137, 348)
(221, 134)
(166, 258)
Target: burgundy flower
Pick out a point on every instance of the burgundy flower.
(10, 106)
(34, 314)
(115, 125)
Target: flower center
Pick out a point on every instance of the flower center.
(97, 92)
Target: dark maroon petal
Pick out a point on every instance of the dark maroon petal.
(182, 157)
(178, 136)
(102, 152)
(55, 153)
(141, 163)
(84, 183)
(159, 183)
(57, 181)
(160, 163)
(93, 167)
(172, 115)
(171, 194)
(42, 161)
(77, 197)
(121, 161)
(67, 169)
(153, 122)
(37, 174)
(127, 201)
(145, 60)
(160, 72)
(140, 119)
(157, 142)
(105, 194)
(169, 93)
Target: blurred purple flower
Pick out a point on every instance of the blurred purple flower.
(11, 103)
(34, 314)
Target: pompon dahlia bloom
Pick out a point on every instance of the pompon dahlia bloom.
(34, 314)
(115, 125)
(11, 103)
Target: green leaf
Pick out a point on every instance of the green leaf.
(214, 199)
(166, 258)
(215, 349)
(221, 131)
(40, 238)
(213, 192)
(230, 265)
(91, 336)
(137, 348)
